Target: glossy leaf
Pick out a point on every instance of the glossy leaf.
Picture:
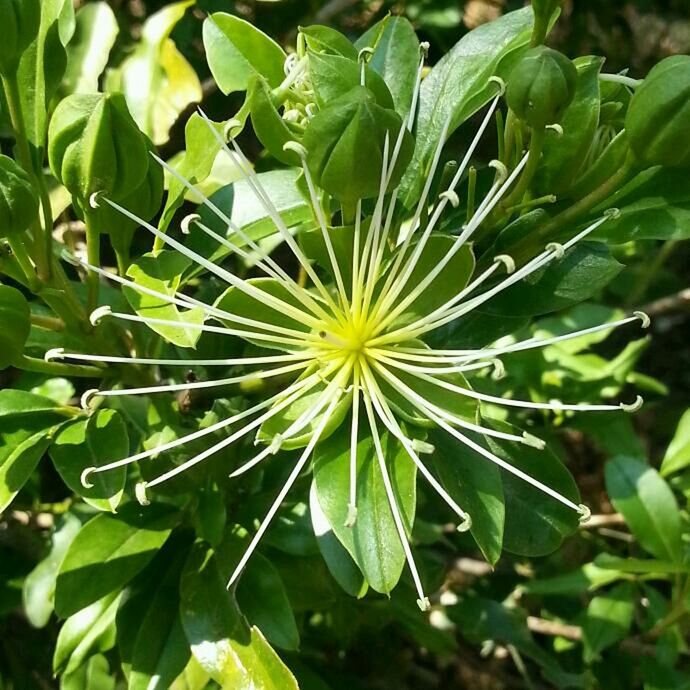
(233, 654)
(648, 505)
(396, 57)
(160, 651)
(458, 85)
(326, 40)
(236, 50)
(108, 552)
(608, 619)
(90, 630)
(162, 272)
(677, 455)
(92, 442)
(87, 53)
(39, 587)
(373, 541)
(475, 484)
(530, 531)
(14, 310)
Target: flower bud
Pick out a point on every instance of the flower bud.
(19, 20)
(345, 145)
(658, 118)
(18, 199)
(95, 146)
(541, 86)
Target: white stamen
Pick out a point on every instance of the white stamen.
(87, 396)
(53, 354)
(84, 477)
(140, 493)
(100, 313)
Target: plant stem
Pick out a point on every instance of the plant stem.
(24, 260)
(93, 252)
(649, 274)
(536, 146)
(14, 104)
(40, 366)
(48, 322)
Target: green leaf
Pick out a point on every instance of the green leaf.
(642, 566)
(536, 524)
(396, 57)
(39, 587)
(458, 85)
(677, 455)
(647, 504)
(269, 126)
(87, 53)
(608, 620)
(239, 203)
(88, 631)
(26, 423)
(156, 78)
(584, 270)
(41, 69)
(262, 598)
(655, 205)
(92, 442)
(236, 50)
(14, 310)
(202, 148)
(373, 541)
(563, 156)
(324, 39)
(94, 675)
(588, 578)
(475, 484)
(108, 552)
(160, 651)
(162, 271)
(334, 75)
(339, 562)
(234, 655)
(449, 282)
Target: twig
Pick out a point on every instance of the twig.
(678, 302)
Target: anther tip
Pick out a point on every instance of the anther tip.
(86, 398)
(466, 524)
(424, 48)
(500, 168)
(187, 221)
(351, 516)
(533, 441)
(362, 55)
(70, 258)
(634, 406)
(495, 79)
(424, 604)
(646, 321)
(94, 199)
(295, 147)
(99, 313)
(612, 213)
(507, 261)
(555, 127)
(450, 196)
(230, 125)
(140, 494)
(499, 371)
(557, 248)
(53, 354)
(585, 513)
(84, 477)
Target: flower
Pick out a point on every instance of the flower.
(353, 347)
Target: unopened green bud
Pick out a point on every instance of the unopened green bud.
(95, 146)
(658, 118)
(19, 20)
(18, 200)
(541, 86)
(345, 145)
